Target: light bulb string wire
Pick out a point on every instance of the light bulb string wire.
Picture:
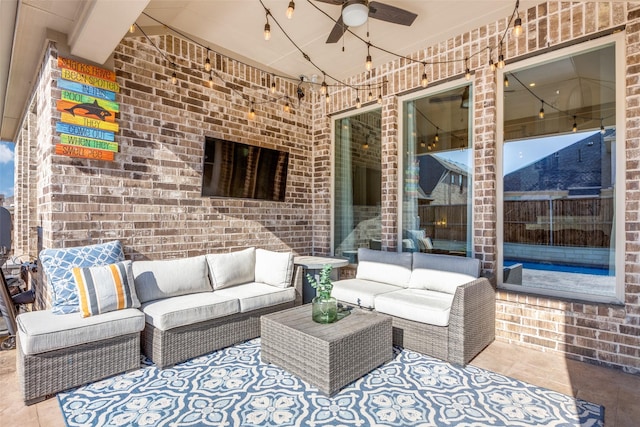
(563, 112)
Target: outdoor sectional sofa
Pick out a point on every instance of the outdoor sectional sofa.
(182, 308)
(438, 303)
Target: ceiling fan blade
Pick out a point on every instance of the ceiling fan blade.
(337, 31)
(385, 12)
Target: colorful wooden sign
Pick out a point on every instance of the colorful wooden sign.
(88, 142)
(86, 79)
(84, 152)
(92, 70)
(90, 110)
(85, 132)
(86, 90)
(89, 122)
(79, 98)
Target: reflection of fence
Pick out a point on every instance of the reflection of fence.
(560, 222)
(444, 222)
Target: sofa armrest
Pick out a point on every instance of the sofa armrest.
(472, 321)
(298, 273)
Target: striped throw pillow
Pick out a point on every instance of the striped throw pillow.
(105, 288)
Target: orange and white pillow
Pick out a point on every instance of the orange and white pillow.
(105, 288)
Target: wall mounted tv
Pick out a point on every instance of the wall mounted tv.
(233, 169)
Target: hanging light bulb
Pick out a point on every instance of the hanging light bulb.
(506, 81)
(492, 65)
(207, 63)
(467, 73)
(517, 27)
(366, 145)
(267, 30)
(541, 113)
(323, 88)
(422, 144)
(174, 78)
(211, 80)
(501, 58)
(132, 28)
(437, 137)
(327, 98)
(380, 99)
(358, 103)
(273, 86)
(370, 96)
(602, 129)
(290, 9)
(575, 125)
(287, 107)
(252, 113)
(368, 63)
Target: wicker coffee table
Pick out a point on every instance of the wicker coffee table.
(326, 356)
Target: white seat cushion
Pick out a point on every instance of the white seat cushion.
(169, 278)
(188, 309)
(42, 331)
(419, 305)
(253, 296)
(360, 292)
(438, 280)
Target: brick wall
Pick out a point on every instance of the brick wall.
(599, 333)
(150, 196)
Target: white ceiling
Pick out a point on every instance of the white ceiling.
(93, 28)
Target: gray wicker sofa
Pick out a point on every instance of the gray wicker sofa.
(438, 303)
(187, 307)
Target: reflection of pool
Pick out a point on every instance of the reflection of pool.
(557, 267)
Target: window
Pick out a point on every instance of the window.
(437, 172)
(358, 178)
(558, 216)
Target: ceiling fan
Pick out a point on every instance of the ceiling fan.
(356, 12)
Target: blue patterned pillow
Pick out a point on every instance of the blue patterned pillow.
(58, 266)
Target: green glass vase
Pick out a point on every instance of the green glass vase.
(324, 309)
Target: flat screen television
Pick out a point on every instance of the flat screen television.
(234, 169)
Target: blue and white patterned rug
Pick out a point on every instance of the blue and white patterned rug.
(232, 387)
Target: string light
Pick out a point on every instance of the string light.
(358, 103)
(287, 107)
(368, 63)
(174, 78)
(290, 9)
(506, 81)
(132, 28)
(422, 144)
(252, 113)
(602, 129)
(492, 65)
(541, 112)
(267, 29)
(370, 96)
(517, 24)
(467, 74)
(210, 80)
(437, 137)
(207, 63)
(273, 84)
(327, 98)
(379, 99)
(501, 58)
(575, 125)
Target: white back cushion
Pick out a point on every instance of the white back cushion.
(438, 280)
(172, 277)
(387, 267)
(274, 268)
(233, 268)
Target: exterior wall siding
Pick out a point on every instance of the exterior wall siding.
(150, 196)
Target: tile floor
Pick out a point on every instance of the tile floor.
(617, 391)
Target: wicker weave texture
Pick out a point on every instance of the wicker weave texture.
(43, 374)
(326, 356)
(166, 348)
(471, 327)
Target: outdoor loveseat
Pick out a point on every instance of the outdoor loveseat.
(438, 303)
(182, 308)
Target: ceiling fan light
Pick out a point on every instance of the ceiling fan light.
(355, 13)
